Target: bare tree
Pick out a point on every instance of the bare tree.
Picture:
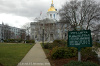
(23, 34)
(26, 26)
(6, 33)
(84, 13)
(96, 31)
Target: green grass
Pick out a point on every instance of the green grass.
(12, 54)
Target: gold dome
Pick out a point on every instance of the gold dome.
(51, 9)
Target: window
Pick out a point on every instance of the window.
(50, 15)
(54, 16)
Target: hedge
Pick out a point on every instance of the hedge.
(63, 52)
(78, 63)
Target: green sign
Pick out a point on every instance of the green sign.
(79, 39)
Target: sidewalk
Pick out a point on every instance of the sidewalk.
(35, 57)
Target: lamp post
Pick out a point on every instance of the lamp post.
(28, 37)
(2, 32)
(65, 33)
(43, 36)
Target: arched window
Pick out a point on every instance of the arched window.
(54, 16)
(50, 15)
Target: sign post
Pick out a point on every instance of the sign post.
(79, 55)
(79, 39)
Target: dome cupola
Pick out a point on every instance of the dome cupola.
(52, 12)
(52, 7)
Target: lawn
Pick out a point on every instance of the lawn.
(12, 54)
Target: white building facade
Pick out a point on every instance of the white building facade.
(15, 32)
(52, 28)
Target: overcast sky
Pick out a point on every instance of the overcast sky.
(18, 12)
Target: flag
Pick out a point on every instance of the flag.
(40, 13)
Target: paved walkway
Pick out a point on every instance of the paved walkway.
(35, 57)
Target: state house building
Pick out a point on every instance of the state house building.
(53, 29)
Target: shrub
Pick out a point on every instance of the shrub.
(58, 53)
(10, 40)
(30, 41)
(19, 40)
(97, 40)
(78, 63)
(48, 45)
(96, 44)
(63, 52)
(88, 54)
(59, 43)
(13, 40)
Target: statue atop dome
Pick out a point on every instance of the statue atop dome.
(52, 7)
